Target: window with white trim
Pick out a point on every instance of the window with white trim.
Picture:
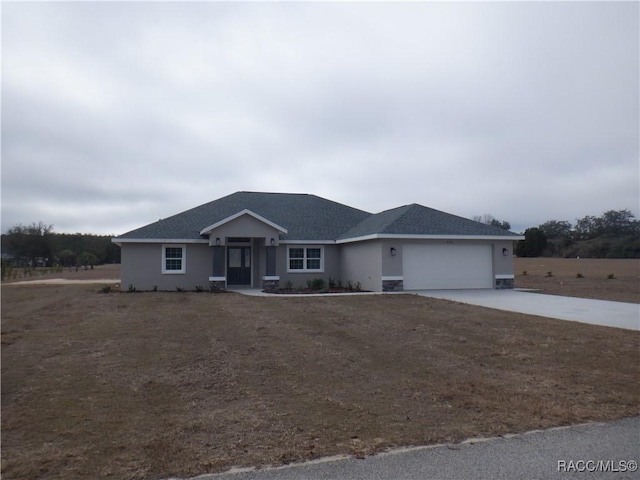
(174, 259)
(305, 259)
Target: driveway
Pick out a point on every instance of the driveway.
(596, 312)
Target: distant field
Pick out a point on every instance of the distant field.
(623, 287)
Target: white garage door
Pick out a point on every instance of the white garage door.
(447, 266)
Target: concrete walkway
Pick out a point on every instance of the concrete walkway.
(592, 451)
(596, 312)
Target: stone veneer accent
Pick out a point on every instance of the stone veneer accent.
(504, 283)
(392, 285)
(270, 285)
(217, 286)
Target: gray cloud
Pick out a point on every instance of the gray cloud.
(117, 114)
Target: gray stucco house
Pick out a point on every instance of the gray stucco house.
(265, 240)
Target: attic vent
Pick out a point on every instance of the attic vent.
(238, 240)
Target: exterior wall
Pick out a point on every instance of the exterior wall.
(361, 262)
(258, 262)
(142, 267)
(299, 279)
(244, 226)
(502, 273)
(503, 264)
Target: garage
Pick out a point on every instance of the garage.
(447, 266)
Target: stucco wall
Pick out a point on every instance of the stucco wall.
(391, 264)
(142, 267)
(360, 262)
(299, 279)
(503, 264)
(243, 226)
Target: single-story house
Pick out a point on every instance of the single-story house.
(271, 240)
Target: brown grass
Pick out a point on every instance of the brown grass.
(150, 385)
(624, 287)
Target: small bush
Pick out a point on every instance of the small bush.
(611, 276)
(524, 273)
(288, 285)
(317, 284)
(549, 274)
(131, 288)
(105, 289)
(199, 289)
(155, 288)
(179, 289)
(579, 275)
(332, 283)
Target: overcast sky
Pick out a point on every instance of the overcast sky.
(117, 114)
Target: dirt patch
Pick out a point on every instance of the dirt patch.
(151, 385)
(584, 277)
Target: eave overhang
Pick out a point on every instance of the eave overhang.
(398, 236)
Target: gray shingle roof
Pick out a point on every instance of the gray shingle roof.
(416, 219)
(308, 217)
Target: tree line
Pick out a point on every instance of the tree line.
(37, 245)
(614, 234)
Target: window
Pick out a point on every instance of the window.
(174, 259)
(305, 259)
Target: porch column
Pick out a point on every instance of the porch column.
(271, 281)
(218, 279)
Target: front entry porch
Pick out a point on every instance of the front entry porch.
(244, 263)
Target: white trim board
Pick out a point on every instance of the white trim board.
(119, 241)
(397, 236)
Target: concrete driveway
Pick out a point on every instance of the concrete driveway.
(596, 312)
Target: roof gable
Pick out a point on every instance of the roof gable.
(207, 230)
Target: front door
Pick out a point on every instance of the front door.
(239, 266)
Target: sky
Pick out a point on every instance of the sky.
(116, 114)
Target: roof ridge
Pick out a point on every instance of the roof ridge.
(407, 208)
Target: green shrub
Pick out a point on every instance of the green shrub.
(611, 276)
(579, 275)
(317, 284)
(199, 289)
(131, 288)
(105, 289)
(524, 273)
(549, 274)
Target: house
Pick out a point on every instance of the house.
(267, 240)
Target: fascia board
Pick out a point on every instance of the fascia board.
(397, 236)
(307, 242)
(246, 211)
(119, 241)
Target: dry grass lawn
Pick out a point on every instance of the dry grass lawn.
(623, 287)
(151, 385)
